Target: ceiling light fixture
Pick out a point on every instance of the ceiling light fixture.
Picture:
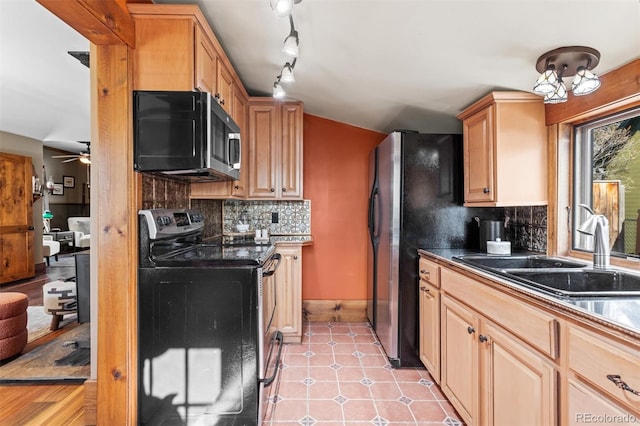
(282, 8)
(291, 43)
(278, 90)
(286, 75)
(575, 61)
(290, 47)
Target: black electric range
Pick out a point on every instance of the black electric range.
(208, 348)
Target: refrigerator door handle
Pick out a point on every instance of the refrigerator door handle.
(377, 215)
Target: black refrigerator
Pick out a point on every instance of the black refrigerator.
(415, 201)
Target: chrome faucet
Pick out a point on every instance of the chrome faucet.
(598, 226)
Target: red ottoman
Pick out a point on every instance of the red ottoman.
(13, 323)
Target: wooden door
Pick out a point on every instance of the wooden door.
(264, 132)
(429, 301)
(478, 157)
(289, 293)
(518, 385)
(291, 151)
(460, 364)
(16, 218)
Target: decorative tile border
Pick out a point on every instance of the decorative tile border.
(294, 217)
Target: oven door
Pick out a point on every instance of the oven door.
(269, 337)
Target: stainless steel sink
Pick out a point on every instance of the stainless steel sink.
(581, 283)
(520, 262)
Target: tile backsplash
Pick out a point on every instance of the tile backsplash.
(527, 227)
(294, 217)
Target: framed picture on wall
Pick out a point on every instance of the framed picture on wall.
(58, 189)
(69, 181)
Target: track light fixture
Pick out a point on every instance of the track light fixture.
(575, 61)
(290, 46)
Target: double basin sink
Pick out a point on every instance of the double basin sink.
(561, 277)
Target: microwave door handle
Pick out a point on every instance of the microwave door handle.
(234, 138)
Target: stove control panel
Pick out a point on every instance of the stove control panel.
(164, 223)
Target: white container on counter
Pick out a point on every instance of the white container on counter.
(499, 247)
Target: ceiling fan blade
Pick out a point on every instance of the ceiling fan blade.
(69, 160)
(64, 156)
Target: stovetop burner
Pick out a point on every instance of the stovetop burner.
(174, 237)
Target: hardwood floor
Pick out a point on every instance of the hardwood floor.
(42, 404)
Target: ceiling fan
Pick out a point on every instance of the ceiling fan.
(84, 156)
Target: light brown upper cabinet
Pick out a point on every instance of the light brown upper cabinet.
(177, 50)
(275, 149)
(505, 150)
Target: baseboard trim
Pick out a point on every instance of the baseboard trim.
(41, 268)
(335, 310)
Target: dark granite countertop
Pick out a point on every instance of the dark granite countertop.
(622, 313)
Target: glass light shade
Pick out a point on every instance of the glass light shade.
(286, 76)
(85, 160)
(282, 8)
(584, 82)
(546, 82)
(278, 91)
(50, 183)
(559, 94)
(290, 46)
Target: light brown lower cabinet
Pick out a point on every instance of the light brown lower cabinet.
(489, 375)
(510, 360)
(289, 293)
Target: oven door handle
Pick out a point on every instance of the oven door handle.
(271, 268)
(268, 380)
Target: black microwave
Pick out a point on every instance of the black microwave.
(186, 135)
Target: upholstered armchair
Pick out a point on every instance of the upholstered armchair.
(81, 227)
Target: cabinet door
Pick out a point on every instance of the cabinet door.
(429, 298)
(263, 136)
(586, 405)
(478, 157)
(289, 293)
(459, 380)
(517, 384)
(239, 187)
(164, 54)
(291, 151)
(16, 218)
(224, 86)
(205, 76)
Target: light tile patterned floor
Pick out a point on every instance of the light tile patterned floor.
(340, 375)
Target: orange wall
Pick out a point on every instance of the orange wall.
(336, 175)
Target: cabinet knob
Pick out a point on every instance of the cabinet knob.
(486, 190)
(423, 288)
(471, 330)
(295, 257)
(483, 338)
(217, 96)
(284, 189)
(424, 271)
(236, 187)
(221, 101)
(273, 190)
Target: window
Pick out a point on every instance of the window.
(607, 179)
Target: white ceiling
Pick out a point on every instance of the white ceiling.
(376, 64)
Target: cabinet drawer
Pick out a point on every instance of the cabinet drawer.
(594, 357)
(429, 272)
(536, 327)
